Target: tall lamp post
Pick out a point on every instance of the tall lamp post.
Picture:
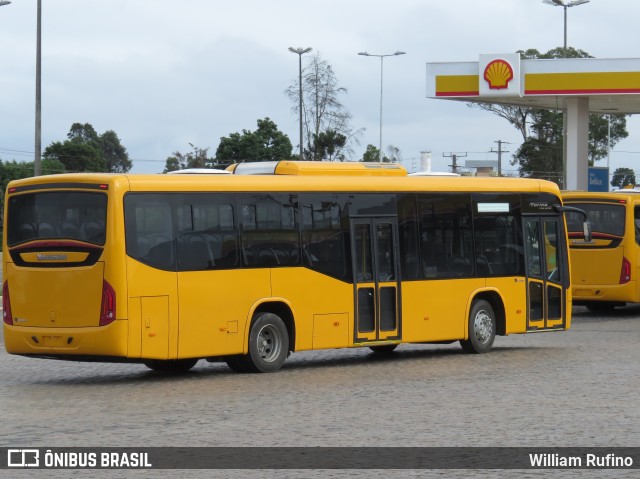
(564, 4)
(381, 67)
(38, 146)
(300, 51)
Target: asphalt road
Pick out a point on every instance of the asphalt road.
(576, 388)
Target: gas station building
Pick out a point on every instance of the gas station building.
(576, 85)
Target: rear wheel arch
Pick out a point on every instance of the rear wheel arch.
(281, 309)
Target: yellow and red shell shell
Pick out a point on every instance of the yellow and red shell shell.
(498, 74)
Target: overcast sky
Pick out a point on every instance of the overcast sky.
(163, 74)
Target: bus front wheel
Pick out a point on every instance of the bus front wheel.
(171, 365)
(268, 346)
(482, 328)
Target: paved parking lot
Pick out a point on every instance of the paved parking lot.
(573, 388)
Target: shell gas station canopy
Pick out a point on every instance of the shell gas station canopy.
(576, 85)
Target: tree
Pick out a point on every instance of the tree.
(540, 154)
(267, 143)
(113, 153)
(75, 156)
(198, 158)
(85, 150)
(623, 177)
(322, 109)
(371, 154)
(328, 145)
(395, 156)
(13, 170)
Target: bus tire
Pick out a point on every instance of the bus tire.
(238, 363)
(482, 328)
(383, 348)
(268, 346)
(171, 365)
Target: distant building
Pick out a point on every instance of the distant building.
(482, 167)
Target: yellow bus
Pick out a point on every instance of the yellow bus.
(169, 269)
(605, 271)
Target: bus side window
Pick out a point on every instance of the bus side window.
(636, 221)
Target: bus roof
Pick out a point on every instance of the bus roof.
(433, 173)
(600, 195)
(198, 171)
(336, 183)
(317, 168)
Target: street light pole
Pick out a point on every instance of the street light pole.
(564, 4)
(38, 147)
(5, 2)
(300, 51)
(381, 77)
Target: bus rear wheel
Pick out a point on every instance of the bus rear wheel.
(601, 307)
(482, 328)
(171, 365)
(268, 346)
(383, 348)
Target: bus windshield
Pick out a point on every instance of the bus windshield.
(56, 215)
(604, 218)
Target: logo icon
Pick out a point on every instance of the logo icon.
(23, 458)
(498, 74)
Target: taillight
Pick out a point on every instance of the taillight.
(108, 305)
(6, 304)
(625, 272)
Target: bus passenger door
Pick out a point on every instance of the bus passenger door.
(545, 274)
(376, 279)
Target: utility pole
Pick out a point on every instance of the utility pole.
(454, 160)
(500, 151)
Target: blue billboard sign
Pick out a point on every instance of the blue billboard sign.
(598, 179)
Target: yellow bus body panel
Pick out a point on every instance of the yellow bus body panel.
(107, 341)
(427, 318)
(69, 293)
(214, 309)
(323, 307)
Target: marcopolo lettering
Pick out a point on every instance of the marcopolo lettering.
(51, 257)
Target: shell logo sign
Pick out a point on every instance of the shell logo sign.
(498, 74)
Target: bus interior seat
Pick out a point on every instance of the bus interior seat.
(194, 255)
(46, 230)
(228, 252)
(410, 266)
(70, 230)
(161, 255)
(267, 257)
(461, 266)
(27, 231)
(143, 246)
(91, 231)
(482, 266)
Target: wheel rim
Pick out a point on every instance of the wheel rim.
(269, 343)
(483, 326)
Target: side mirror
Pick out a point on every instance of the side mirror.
(586, 225)
(586, 231)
